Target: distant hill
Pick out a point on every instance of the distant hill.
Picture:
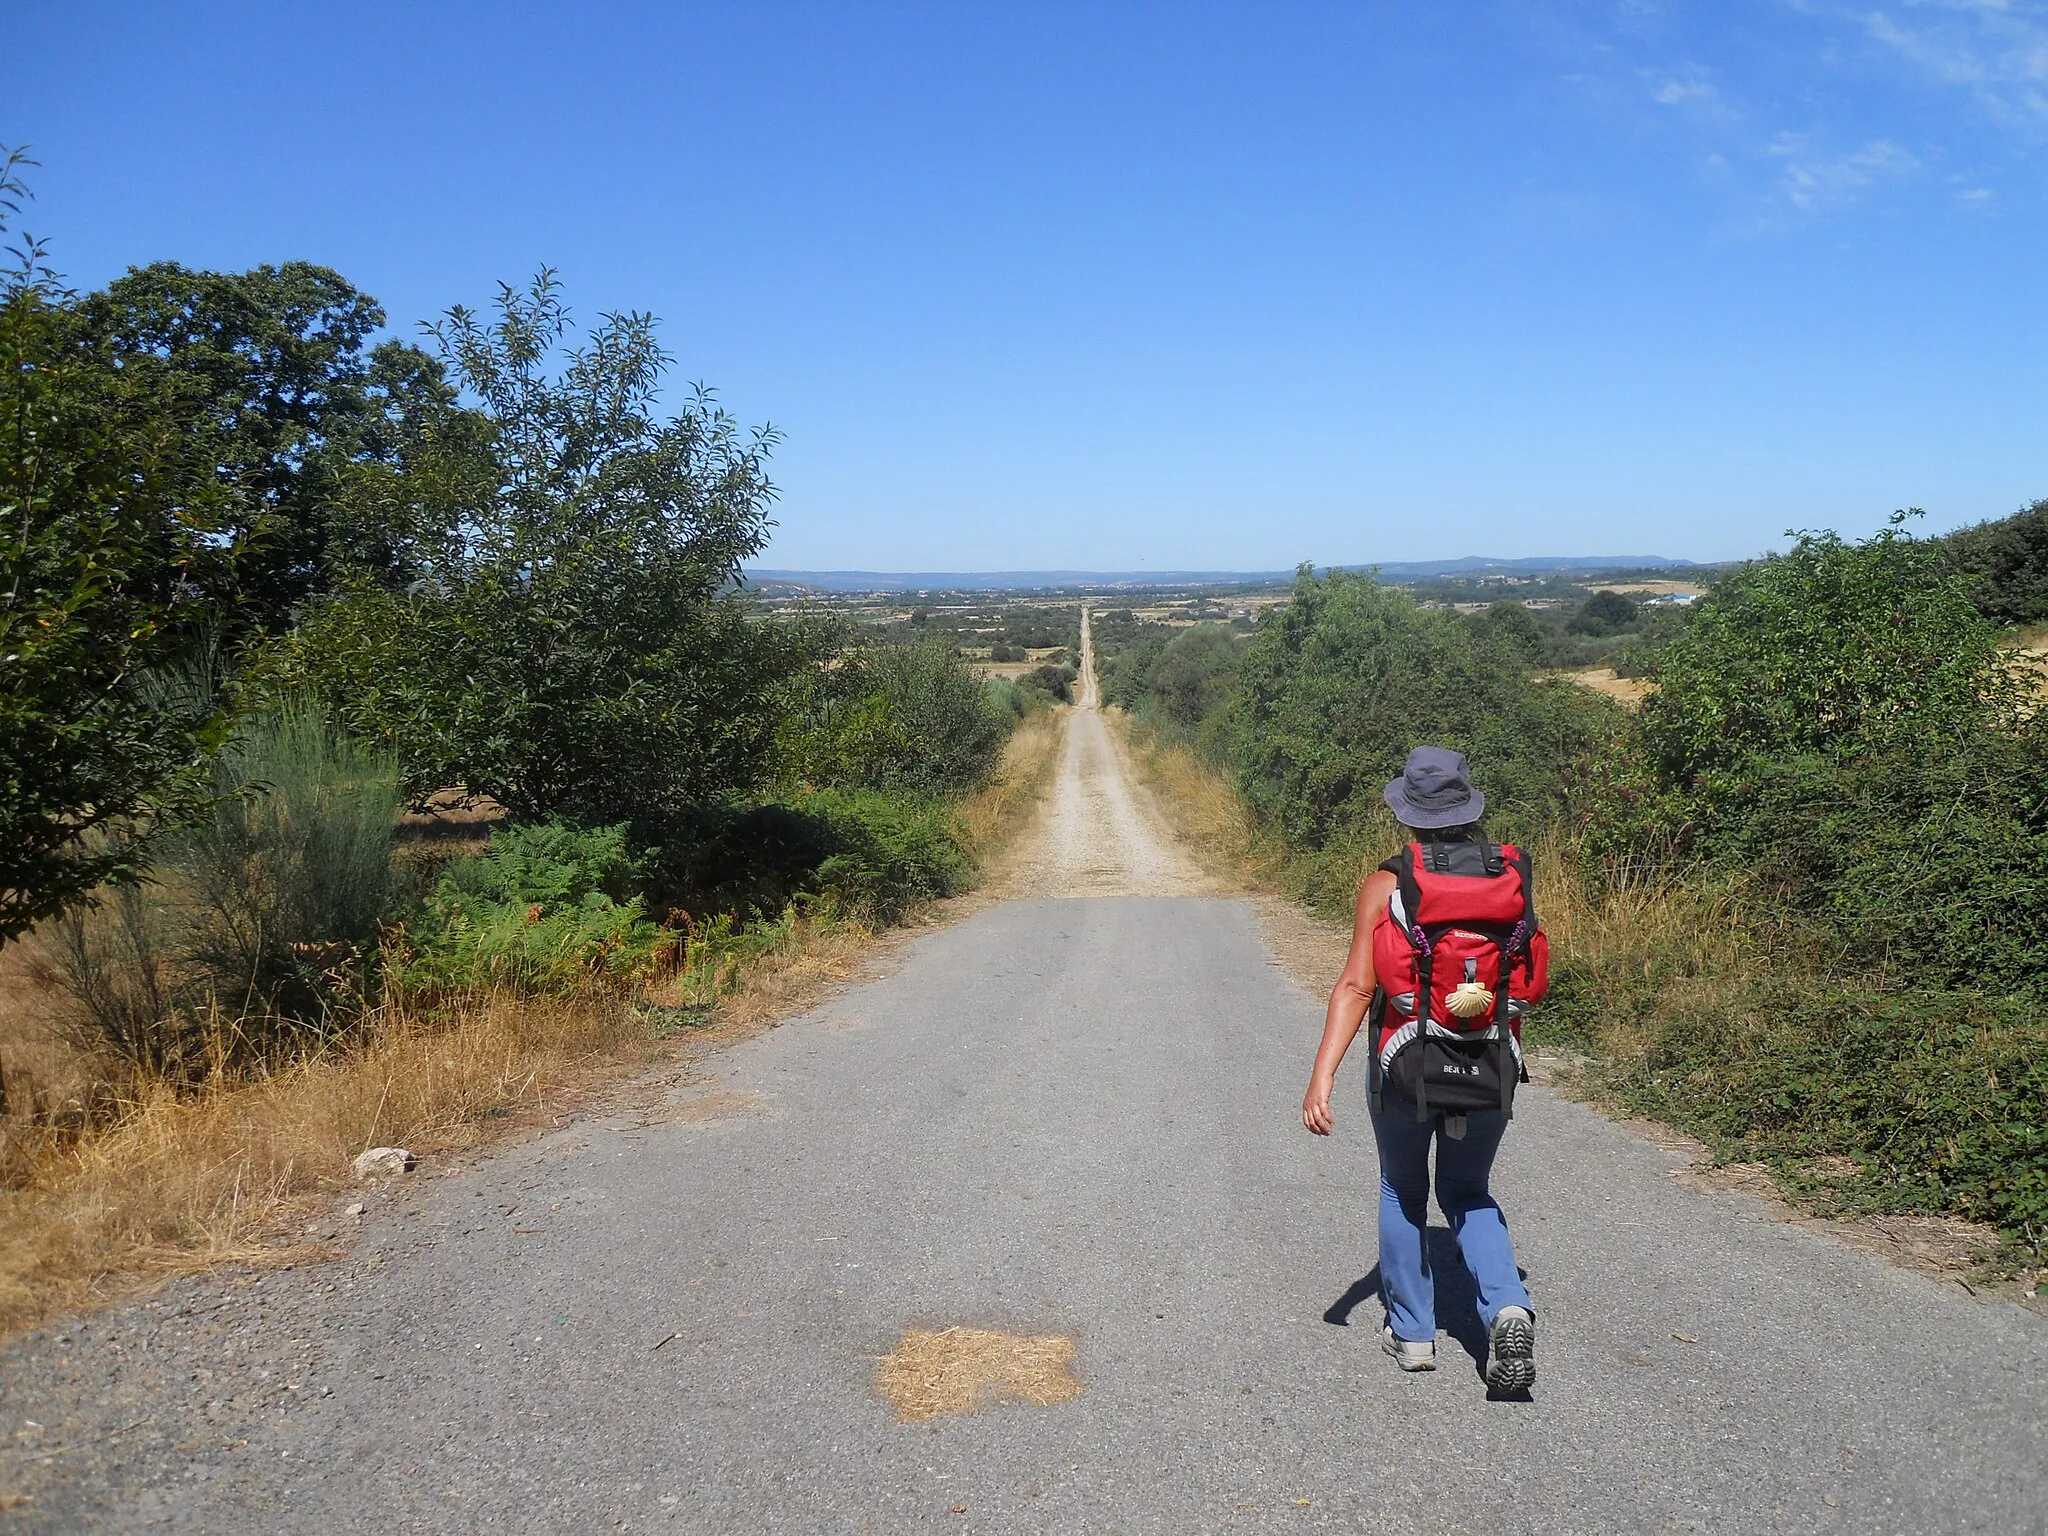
(1021, 581)
(1001, 581)
(1480, 565)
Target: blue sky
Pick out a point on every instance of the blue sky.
(1112, 286)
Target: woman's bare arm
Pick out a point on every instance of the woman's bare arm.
(1348, 1003)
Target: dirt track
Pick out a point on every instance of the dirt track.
(1099, 833)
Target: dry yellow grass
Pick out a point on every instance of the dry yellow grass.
(177, 1181)
(956, 1370)
(991, 816)
(1204, 811)
(1627, 691)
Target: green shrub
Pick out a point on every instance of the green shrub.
(547, 906)
(256, 922)
(1604, 613)
(1050, 682)
(1835, 648)
(904, 718)
(892, 853)
(2004, 565)
(1187, 681)
(1837, 743)
(746, 861)
(1838, 726)
(1010, 701)
(1337, 688)
(1936, 1097)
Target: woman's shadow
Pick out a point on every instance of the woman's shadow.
(1457, 1300)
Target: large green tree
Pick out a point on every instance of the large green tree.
(282, 427)
(93, 601)
(2005, 563)
(573, 648)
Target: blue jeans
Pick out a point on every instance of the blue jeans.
(1482, 1231)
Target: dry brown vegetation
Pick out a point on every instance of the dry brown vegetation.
(1203, 810)
(168, 1181)
(1628, 691)
(956, 1370)
(991, 816)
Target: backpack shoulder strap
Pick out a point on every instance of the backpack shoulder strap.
(1520, 859)
(1402, 867)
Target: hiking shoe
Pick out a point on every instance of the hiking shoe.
(1407, 1353)
(1511, 1355)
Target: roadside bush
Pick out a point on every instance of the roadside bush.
(892, 852)
(1834, 648)
(1839, 726)
(1838, 745)
(1936, 1097)
(2004, 565)
(257, 922)
(1183, 685)
(547, 907)
(1050, 682)
(1335, 689)
(905, 718)
(1011, 701)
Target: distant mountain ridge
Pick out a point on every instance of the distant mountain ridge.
(1002, 581)
(1480, 565)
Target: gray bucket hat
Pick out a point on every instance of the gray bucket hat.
(1434, 790)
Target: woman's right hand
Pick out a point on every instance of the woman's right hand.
(1315, 1106)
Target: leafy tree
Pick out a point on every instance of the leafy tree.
(1833, 648)
(577, 650)
(1191, 679)
(1604, 613)
(2006, 564)
(92, 599)
(271, 411)
(1509, 629)
(893, 717)
(1337, 687)
(91, 561)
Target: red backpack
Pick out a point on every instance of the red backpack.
(1459, 958)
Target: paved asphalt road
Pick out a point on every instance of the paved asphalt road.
(1079, 1116)
(1067, 1116)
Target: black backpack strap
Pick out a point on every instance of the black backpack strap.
(1375, 1076)
(1402, 867)
(1521, 863)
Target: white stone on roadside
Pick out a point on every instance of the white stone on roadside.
(384, 1163)
(355, 1209)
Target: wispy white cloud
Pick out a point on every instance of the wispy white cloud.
(1687, 85)
(1997, 50)
(1817, 182)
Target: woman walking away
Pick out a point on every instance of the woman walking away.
(1446, 957)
